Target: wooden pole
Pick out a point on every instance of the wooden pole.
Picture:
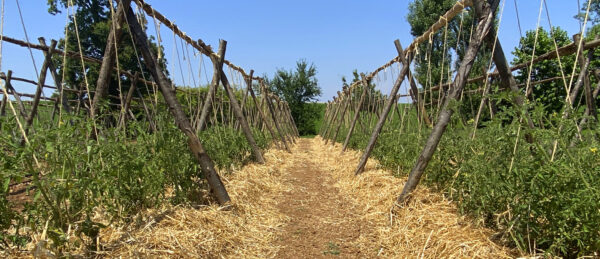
(239, 114)
(328, 116)
(9, 87)
(342, 116)
(365, 84)
(40, 87)
(417, 100)
(3, 105)
(216, 79)
(108, 61)
(57, 80)
(485, 19)
(291, 118)
(261, 114)
(266, 98)
(325, 117)
(336, 112)
(386, 109)
(589, 100)
(132, 89)
(206, 164)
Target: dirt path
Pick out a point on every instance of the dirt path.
(322, 222)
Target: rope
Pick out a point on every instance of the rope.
(519, 19)
(64, 64)
(537, 32)
(568, 99)
(114, 30)
(87, 87)
(27, 38)
(485, 86)
(5, 91)
(562, 73)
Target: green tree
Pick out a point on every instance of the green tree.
(299, 88)
(594, 14)
(94, 21)
(550, 94)
(446, 47)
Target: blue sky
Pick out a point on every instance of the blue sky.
(337, 36)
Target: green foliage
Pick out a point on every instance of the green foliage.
(594, 14)
(437, 53)
(94, 21)
(86, 185)
(298, 88)
(551, 94)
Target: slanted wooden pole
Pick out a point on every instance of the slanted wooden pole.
(108, 61)
(3, 105)
(241, 119)
(329, 116)
(485, 19)
(587, 89)
(417, 100)
(261, 114)
(342, 116)
(594, 97)
(336, 112)
(40, 88)
(285, 119)
(248, 86)
(128, 98)
(10, 88)
(365, 84)
(216, 79)
(507, 80)
(57, 79)
(206, 164)
(292, 121)
(267, 99)
(386, 108)
(325, 117)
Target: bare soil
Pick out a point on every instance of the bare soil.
(323, 224)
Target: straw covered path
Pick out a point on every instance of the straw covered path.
(308, 204)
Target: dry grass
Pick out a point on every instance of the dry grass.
(427, 227)
(246, 230)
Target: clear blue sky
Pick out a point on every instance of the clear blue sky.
(337, 36)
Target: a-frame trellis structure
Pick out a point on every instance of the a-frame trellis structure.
(266, 112)
(483, 34)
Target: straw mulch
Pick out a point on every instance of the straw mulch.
(427, 227)
(245, 230)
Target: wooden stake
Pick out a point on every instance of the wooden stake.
(365, 84)
(40, 87)
(485, 18)
(108, 61)
(386, 109)
(266, 98)
(239, 114)
(216, 79)
(206, 164)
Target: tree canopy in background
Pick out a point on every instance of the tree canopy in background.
(93, 26)
(551, 94)
(299, 88)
